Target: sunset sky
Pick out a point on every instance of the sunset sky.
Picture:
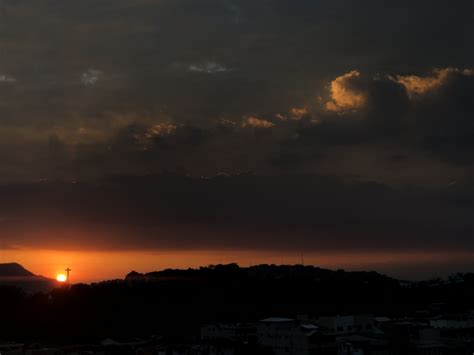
(146, 134)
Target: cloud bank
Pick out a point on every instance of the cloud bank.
(274, 95)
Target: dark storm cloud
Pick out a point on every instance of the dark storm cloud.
(431, 114)
(277, 53)
(244, 212)
(447, 117)
(360, 110)
(103, 77)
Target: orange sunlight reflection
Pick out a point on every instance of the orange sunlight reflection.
(90, 266)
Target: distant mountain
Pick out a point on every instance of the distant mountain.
(14, 274)
(14, 270)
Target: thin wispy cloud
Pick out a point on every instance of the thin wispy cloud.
(208, 68)
(91, 77)
(4, 78)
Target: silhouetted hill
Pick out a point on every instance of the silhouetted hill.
(14, 270)
(14, 274)
(172, 302)
(265, 272)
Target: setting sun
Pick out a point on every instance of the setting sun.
(61, 278)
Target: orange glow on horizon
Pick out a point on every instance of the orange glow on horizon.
(94, 266)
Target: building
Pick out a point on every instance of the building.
(229, 331)
(344, 325)
(285, 336)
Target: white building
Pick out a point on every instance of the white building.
(228, 331)
(359, 345)
(346, 348)
(343, 325)
(285, 336)
(453, 322)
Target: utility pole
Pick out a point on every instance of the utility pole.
(68, 270)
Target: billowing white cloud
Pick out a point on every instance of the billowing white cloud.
(345, 97)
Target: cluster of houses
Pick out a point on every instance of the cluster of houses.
(352, 335)
(302, 335)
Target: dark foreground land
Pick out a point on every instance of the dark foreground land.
(225, 309)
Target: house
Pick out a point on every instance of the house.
(360, 345)
(349, 324)
(285, 336)
(453, 322)
(230, 331)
